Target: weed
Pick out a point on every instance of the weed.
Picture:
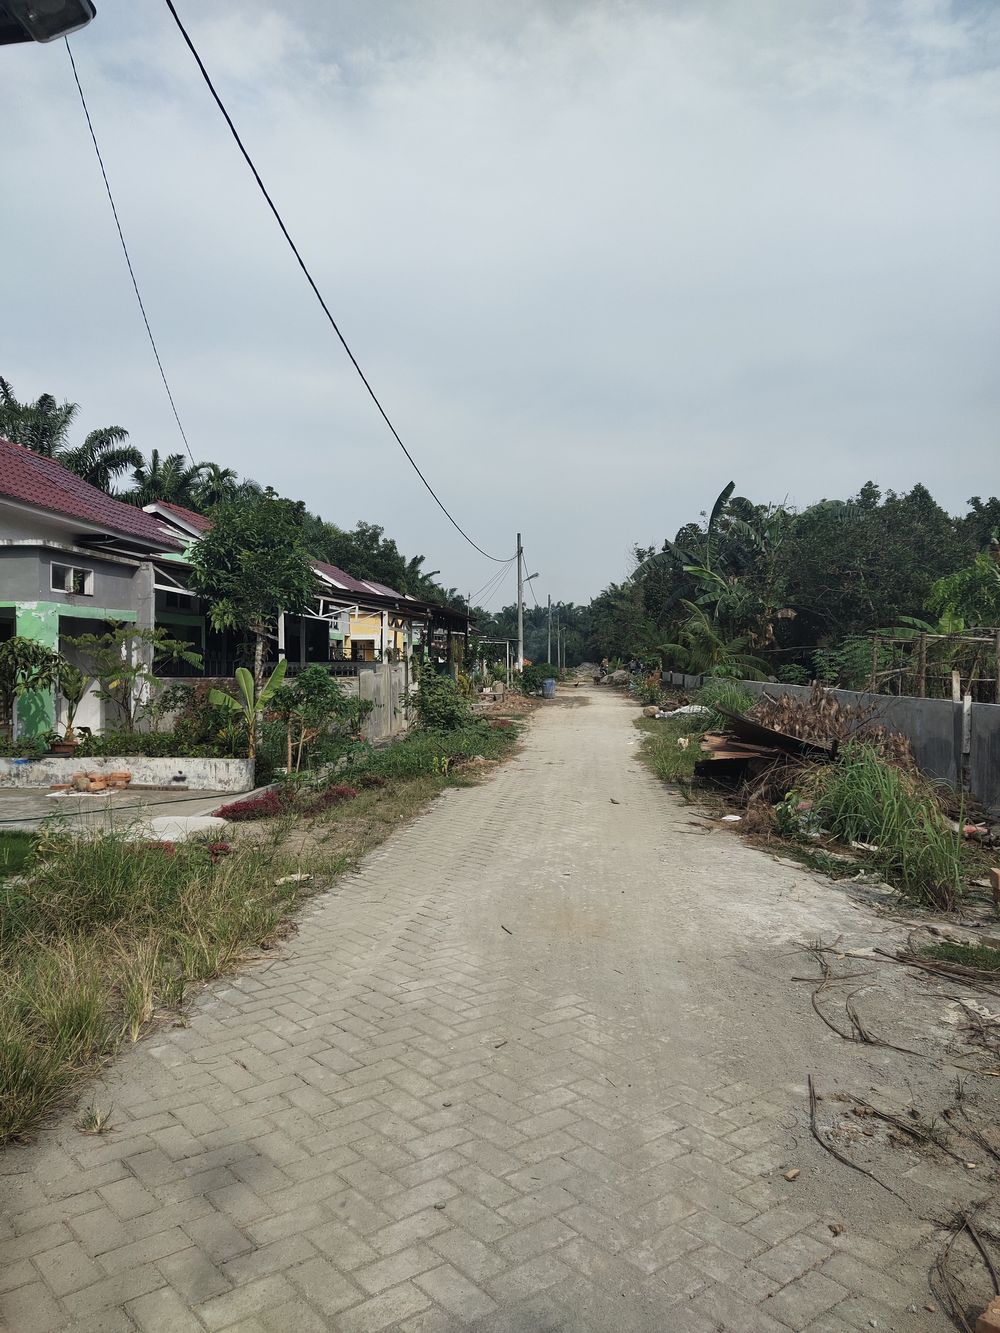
(92, 1120)
(979, 956)
(98, 933)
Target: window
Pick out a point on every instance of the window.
(178, 601)
(69, 579)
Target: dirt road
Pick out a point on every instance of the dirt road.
(541, 1064)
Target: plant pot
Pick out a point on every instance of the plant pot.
(63, 747)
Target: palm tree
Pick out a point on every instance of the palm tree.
(215, 486)
(169, 479)
(102, 457)
(44, 427)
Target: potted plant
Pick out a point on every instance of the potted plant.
(72, 685)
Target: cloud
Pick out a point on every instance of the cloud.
(597, 257)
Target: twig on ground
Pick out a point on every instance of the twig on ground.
(834, 1152)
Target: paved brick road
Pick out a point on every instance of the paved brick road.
(416, 1120)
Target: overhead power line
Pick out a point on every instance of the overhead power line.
(128, 261)
(316, 291)
(492, 583)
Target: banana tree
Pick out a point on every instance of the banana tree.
(252, 702)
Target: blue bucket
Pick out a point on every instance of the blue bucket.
(548, 689)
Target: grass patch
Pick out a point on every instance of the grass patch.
(15, 850)
(660, 750)
(721, 693)
(99, 933)
(861, 798)
(980, 956)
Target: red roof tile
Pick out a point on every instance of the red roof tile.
(45, 484)
(340, 576)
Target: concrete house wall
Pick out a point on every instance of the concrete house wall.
(30, 544)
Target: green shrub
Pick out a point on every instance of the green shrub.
(648, 689)
(152, 744)
(530, 679)
(440, 704)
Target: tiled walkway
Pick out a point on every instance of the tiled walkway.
(538, 1065)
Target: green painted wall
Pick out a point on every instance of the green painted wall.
(36, 711)
(39, 621)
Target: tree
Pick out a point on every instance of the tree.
(122, 662)
(251, 566)
(44, 427)
(215, 486)
(170, 479)
(24, 666)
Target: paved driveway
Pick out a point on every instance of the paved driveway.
(539, 1065)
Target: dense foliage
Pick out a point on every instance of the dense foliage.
(441, 706)
(761, 589)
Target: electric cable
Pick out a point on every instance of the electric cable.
(128, 260)
(493, 579)
(316, 291)
(497, 583)
(530, 582)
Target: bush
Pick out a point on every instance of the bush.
(440, 705)
(330, 797)
(151, 744)
(530, 679)
(648, 689)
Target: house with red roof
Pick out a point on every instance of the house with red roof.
(74, 559)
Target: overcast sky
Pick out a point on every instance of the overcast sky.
(598, 256)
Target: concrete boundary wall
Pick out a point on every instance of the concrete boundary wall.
(934, 726)
(228, 775)
(385, 687)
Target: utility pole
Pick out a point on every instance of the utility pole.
(557, 633)
(520, 605)
(548, 649)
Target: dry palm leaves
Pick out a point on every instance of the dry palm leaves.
(822, 718)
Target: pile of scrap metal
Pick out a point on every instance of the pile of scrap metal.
(747, 749)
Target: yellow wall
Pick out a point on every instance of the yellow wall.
(370, 627)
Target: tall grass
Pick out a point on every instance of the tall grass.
(863, 799)
(719, 693)
(97, 933)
